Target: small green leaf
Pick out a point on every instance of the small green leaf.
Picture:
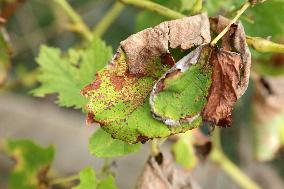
(101, 144)
(184, 153)
(64, 76)
(107, 183)
(88, 179)
(32, 164)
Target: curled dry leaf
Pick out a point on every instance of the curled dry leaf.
(118, 97)
(206, 83)
(161, 172)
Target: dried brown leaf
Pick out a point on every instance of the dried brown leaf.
(142, 47)
(223, 90)
(161, 172)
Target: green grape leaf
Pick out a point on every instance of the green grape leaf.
(118, 98)
(4, 59)
(32, 164)
(184, 153)
(102, 145)
(107, 183)
(62, 76)
(88, 179)
(265, 19)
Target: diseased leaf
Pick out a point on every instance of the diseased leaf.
(60, 74)
(88, 179)
(32, 164)
(118, 96)
(101, 144)
(206, 83)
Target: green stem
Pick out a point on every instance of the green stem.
(225, 30)
(64, 180)
(154, 147)
(263, 45)
(108, 19)
(149, 5)
(78, 24)
(218, 156)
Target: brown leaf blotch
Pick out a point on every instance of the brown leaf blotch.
(223, 91)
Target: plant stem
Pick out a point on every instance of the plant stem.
(225, 30)
(108, 19)
(197, 6)
(218, 156)
(154, 147)
(263, 45)
(78, 24)
(149, 5)
(64, 180)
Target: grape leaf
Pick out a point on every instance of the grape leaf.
(118, 96)
(101, 144)
(32, 164)
(60, 75)
(88, 179)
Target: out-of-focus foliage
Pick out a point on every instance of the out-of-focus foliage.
(88, 180)
(4, 58)
(184, 152)
(32, 163)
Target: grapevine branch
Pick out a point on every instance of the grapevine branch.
(78, 24)
(255, 42)
(108, 19)
(217, 155)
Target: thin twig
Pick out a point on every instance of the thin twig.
(77, 21)
(225, 30)
(218, 156)
(108, 19)
(149, 5)
(64, 180)
(264, 45)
